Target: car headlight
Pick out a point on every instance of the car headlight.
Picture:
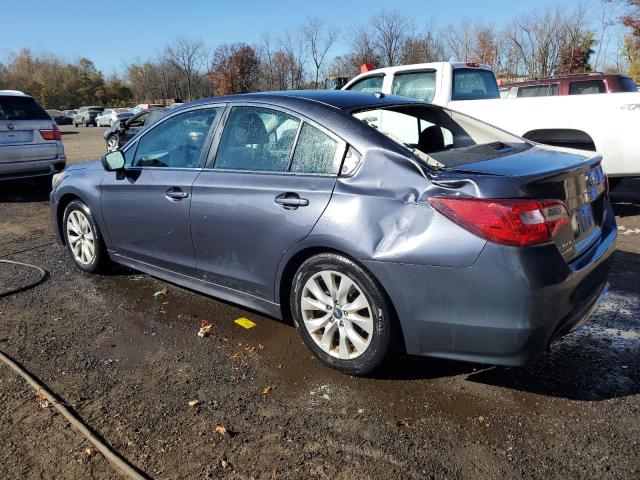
(631, 106)
(56, 179)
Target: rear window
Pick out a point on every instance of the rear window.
(586, 87)
(21, 108)
(628, 85)
(543, 90)
(418, 85)
(474, 84)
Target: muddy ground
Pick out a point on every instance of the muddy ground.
(129, 364)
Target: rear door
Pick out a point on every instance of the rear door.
(146, 208)
(270, 181)
(21, 120)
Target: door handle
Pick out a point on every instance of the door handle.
(175, 194)
(291, 201)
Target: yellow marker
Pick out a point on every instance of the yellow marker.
(244, 322)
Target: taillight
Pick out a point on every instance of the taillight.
(51, 134)
(510, 221)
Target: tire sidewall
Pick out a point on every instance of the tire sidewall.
(380, 345)
(99, 257)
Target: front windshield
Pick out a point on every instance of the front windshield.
(449, 137)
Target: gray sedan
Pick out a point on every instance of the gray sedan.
(377, 223)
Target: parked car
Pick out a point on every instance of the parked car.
(111, 116)
(603, 123)
(579, 84)
(59, 117)
(86, 116)
(456, 239)
(30, 141)
(120, 133)
(70, 114)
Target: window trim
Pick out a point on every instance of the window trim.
(206, 145)
(341, 148)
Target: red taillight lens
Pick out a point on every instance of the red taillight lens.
(510, 221)
(51, 134)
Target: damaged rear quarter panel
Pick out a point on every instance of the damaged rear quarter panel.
(382, 214)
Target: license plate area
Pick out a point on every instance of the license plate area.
(17, 136)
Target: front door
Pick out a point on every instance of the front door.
(146, 207)
(272, 178)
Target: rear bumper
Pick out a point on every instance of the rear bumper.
(31, 168)
(506, 308)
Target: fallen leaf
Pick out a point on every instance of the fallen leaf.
(193, 403)
(265, 391)
(403, 423)
(481, 419)
(42, 400)
(205, 328)
(220, 430)
(90, 452)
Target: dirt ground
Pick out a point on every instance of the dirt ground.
(129, 363)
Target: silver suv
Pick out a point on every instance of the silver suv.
(30, 141)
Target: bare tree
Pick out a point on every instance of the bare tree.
(423, 48)
(390, 31)
(320, 38)
(188, 57)
(537, 41)
(295, 50)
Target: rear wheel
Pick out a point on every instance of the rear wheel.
(342, 314)
(83, 238)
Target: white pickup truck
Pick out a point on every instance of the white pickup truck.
(609, 124)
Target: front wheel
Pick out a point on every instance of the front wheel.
(342, 314)
(83, 238)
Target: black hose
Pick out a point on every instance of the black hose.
(43, 276)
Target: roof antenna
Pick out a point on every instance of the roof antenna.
(378, 94)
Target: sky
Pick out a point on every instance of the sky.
(114, 32)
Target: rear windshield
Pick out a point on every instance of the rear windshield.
(628, 85)
(21, 108)
(432, 132)
(474, 84)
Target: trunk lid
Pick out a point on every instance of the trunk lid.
(555, 174)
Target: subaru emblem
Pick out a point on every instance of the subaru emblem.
(592, 179)
(10, 126)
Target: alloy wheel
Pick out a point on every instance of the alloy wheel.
(337, 314)
(81, 237)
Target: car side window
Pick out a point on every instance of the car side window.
(315, 152)
(369, 84)
(418, 85)
(139, 120)
(256, 139)
(176, 142)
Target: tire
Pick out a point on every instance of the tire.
(72, 221)
(353, 347)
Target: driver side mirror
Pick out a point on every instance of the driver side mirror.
(113, 161)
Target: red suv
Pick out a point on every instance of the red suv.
(569, 85)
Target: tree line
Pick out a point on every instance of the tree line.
(538, 44)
